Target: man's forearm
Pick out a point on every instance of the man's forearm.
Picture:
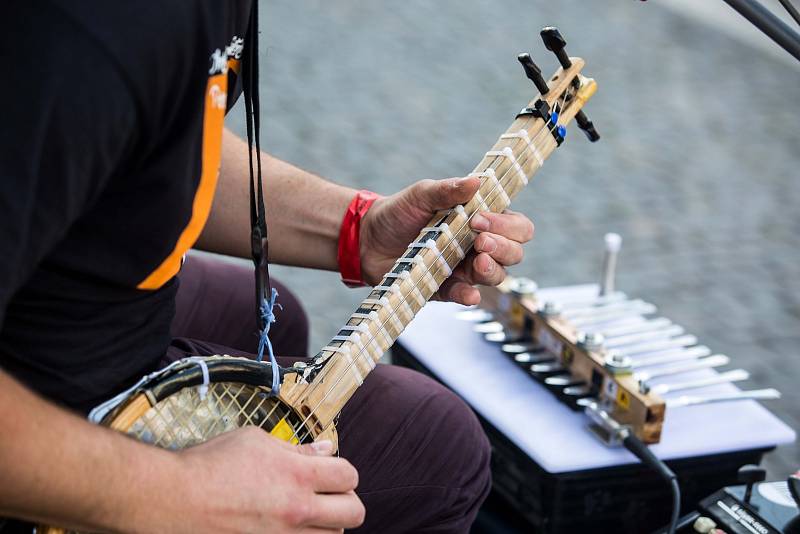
(303, 210)
(59, 469)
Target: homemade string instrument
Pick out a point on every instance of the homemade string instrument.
(198, 398)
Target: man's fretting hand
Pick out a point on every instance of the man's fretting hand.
(248, 481)
(393, 222)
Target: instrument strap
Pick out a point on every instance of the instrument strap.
(259, 242)
(258, 220)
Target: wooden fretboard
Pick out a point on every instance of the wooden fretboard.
(441, 245)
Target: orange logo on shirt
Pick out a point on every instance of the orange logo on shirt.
(215, 105)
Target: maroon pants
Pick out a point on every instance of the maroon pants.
(422, 457)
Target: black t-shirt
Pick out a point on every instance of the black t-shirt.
(110, 137)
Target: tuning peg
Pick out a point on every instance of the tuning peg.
(533, 72)
(587, 126)
(554, 42)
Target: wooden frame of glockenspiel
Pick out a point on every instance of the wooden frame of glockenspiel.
(619, 393)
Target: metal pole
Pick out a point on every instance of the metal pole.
(771, 25)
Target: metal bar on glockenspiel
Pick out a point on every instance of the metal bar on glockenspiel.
(757, 394)
(607, 316)
(624, 305)
(684, 367)
(629, 327)
(516, 348)
(486, 328)
(670, 356)
(475, 315)
(648, 335)
(583, 302)
(659, 344)
(505, 337)
(723, 378)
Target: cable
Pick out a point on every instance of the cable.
(642, 451)
(676, 505)
(613, 432)
(791, 9)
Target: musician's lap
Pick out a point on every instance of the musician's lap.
(422, 457)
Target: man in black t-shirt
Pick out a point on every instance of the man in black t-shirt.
(111, 141)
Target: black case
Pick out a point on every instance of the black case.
(626, 499)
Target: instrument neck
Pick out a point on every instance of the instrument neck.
(431, 258)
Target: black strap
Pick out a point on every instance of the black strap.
(258, 218)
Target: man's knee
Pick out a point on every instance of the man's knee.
(464, 445)
(420, 450)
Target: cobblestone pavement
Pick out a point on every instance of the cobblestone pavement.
(697, 168)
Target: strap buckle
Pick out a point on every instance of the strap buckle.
(259, 248)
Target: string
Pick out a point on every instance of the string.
(267, 318)
(544, 131)
(202, 389)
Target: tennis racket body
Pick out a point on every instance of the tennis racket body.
(198, 398)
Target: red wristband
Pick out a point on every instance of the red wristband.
(349, 254)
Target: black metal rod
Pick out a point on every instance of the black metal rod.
(791, 9)
(771, 25)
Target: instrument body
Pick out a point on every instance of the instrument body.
(190, 402)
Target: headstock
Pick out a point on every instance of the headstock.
(555, 96)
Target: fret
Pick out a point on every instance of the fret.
(497, 188)
(371, 347)
(431, 282)
(430, 244)
(374, 317)
(478, 198)
(382, 302)
(344, 350)
(419, 261)
(391, 288)
(523, 177)
(523, 134)
(399, 326)
(491, 201)
(371, 315)
(406, 309)
(363, 328)
(452, 242)
(421, 300)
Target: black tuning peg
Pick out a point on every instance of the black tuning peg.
(554, 42)
(793, 482)
(793, 526)
(533, 72)
(587, 126)
(750, 474)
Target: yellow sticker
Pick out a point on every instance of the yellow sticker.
(517, 313)
(284, 432)
(567, 355)
(623, 399)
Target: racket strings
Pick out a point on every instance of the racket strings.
(186, 418)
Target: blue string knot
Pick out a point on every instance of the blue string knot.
(267, 318)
